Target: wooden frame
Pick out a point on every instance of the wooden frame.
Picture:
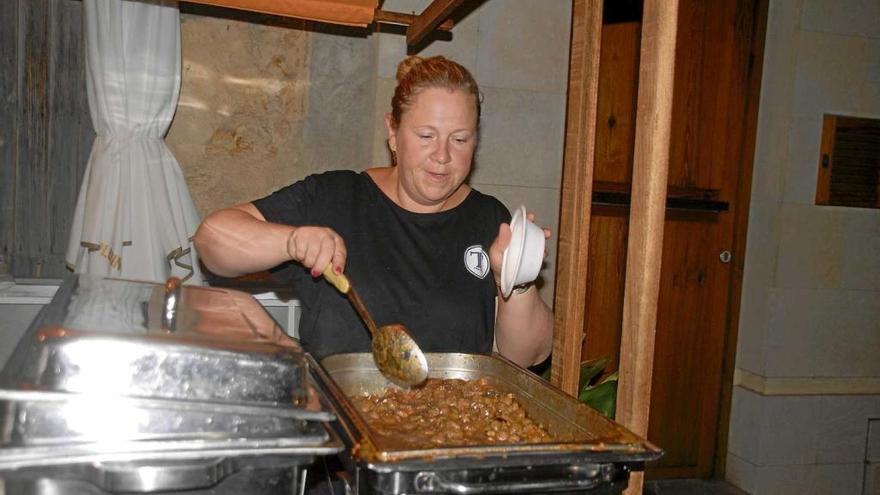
(430, 18)
(647, 214)
(741, 220)
(570, 321)
(826, 151)
(853, 182)
(577, 186)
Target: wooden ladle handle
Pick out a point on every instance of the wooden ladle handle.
(340, 281)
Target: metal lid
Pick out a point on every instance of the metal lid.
(135, 339)
(129, 369)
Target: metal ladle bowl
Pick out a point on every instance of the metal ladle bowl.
(396, 354)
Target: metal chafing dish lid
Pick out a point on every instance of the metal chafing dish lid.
(135, 339)
(122, 370)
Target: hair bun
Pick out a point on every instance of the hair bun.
(406, 65)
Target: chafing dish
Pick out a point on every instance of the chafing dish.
(131, 386)
(588, 453)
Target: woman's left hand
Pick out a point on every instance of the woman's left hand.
(502, 240)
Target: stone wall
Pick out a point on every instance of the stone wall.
(265, 101)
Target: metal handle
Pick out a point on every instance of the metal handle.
(160, 475)
(433, 482)
(172, 300)
(725, 256)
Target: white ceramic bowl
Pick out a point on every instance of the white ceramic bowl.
(522, 260)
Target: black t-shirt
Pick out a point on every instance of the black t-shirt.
(428, 271)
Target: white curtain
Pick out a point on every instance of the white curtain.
(134, 217)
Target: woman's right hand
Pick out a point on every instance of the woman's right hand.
(316, 247)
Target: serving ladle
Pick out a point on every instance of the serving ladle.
(395, 353)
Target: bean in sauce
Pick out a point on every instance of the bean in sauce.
(450, 412)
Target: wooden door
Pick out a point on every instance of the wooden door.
(709, 175)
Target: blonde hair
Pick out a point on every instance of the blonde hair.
(415, 74)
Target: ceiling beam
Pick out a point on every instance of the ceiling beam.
(432, 16)
(400, 19)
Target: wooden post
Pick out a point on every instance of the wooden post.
(647, 213)
(577, 191)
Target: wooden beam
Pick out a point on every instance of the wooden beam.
(647, 214)
(401, 19)
(577, 189)
(430, 18)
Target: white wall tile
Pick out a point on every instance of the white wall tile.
(860, 257)
(524, 44)
(759, 277)
(802, 168)
(741, 473)
(843, 427)
(823, 333)
(872, 453)
(826, 81)
(839, 479)
(809, 247)
(784, 480)
(869, 104)
(850, 344)
(791, 335)
(852, 17)
(788, 430)
(872, 70)
(746, 416)
(780, 59)
(521, 139)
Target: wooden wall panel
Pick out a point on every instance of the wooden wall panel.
(606, 272)
(45, 132)
(9, 61)
(70, 127)
(31, 235)
(616, 120)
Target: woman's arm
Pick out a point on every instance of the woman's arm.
(524, 328)
(524, 323)
(238, 240)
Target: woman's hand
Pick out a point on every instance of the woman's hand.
(238, 240)
(316, 247)
(496, 250)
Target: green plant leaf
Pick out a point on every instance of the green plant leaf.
(590, 370)
(601, 397)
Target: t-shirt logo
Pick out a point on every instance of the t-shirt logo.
(476, 261)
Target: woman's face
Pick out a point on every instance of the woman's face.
(435, 142)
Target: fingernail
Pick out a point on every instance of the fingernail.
(338, 270)
(315, 273)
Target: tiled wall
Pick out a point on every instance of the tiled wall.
(811, 288)
(518, 52)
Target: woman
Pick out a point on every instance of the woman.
(421, 246)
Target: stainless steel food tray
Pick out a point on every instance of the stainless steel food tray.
(576, 428)
(588, 453)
